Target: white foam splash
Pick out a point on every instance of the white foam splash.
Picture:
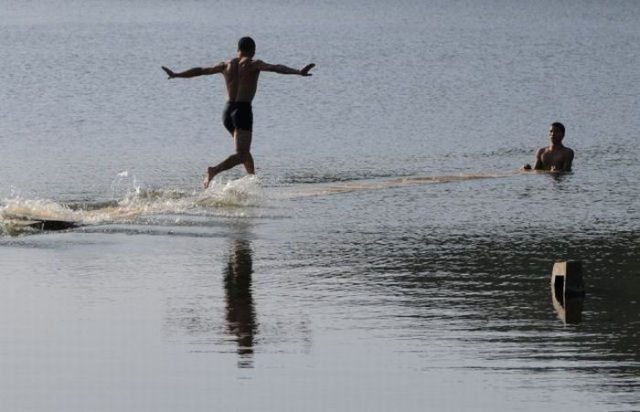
(40, 208)
(240, 193)
(246, 191)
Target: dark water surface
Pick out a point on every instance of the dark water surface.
(389, 256)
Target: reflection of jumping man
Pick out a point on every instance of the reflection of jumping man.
(241, 77)
(241, 316)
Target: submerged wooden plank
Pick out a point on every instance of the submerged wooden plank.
(40, 224)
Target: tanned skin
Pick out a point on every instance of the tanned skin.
(241, 78)
(555, 157)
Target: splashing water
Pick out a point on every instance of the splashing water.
(244, 192)
(240, 193)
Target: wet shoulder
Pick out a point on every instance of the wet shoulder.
(568, 153)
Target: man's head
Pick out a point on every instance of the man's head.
(556, 133)
(247, 47)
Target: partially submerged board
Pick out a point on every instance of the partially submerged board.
(39, 223)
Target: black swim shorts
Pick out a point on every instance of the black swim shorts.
(238, 115)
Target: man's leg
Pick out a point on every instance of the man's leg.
(242, 155)
(243, 148)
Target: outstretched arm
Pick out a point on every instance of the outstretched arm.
(196, 71)
(282, 69)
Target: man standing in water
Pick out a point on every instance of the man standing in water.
(555, 157)
(241, 77)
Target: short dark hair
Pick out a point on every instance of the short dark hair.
(246, 45)
(558, 126)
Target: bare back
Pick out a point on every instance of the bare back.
(241, 77)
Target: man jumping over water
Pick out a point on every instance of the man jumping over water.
(241, 77)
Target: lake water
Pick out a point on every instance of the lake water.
(389, 255)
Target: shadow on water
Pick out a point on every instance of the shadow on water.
(240, 310)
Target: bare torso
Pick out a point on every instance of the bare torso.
(556, 159)
(241, 77)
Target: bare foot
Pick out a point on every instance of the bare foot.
(211, 172)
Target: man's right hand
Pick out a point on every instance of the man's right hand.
(169, 72)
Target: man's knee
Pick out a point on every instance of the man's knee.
(243, 156)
